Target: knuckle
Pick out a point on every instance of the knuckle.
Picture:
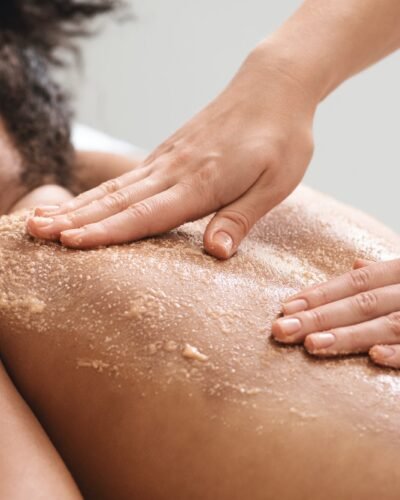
(318, 319)
(201, 184)
(206, 173)
(360, 279)
(366, 303)
(110, 186)
(393, 323)
(241, 220)
(182, 156)
(141, 210)
(187, 185)
(205, 182)
(319, 296)
(115, 201)
(71, 218)
(197, 180)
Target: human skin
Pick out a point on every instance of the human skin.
(249, 148)
(349, 314)
(30, 466)
(243, 154)
(94, 342)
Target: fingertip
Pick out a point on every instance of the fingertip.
(36, 226)
(321, 344)
(72, 238)
(220, 245)
(374, 354)
(30, 227)
(276, 332)
(46, 210)
(384, 355)
(280, 336)
(294, 306)
(309, 344)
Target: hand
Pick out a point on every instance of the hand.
(240, 156)
(354, 313)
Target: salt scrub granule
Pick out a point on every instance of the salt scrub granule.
(192, 352)
(170, 346)
(96, 364)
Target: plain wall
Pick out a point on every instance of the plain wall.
(143, 79)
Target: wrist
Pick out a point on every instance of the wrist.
(305, 68)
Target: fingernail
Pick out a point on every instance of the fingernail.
(383, 352)
(295, 306)
(289, 326)
(47, 209)
(322, 340)
(74, 236)
(42, 222)
(224, 240)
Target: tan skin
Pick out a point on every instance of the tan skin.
(93, 340)
(94, 343)
(30, 465)
(249, 148)
(242, 155)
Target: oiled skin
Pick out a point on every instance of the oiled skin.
(88, 338)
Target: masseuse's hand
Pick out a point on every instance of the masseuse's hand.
(239, 157)
(354, 313)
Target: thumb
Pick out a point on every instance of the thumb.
(232, 223)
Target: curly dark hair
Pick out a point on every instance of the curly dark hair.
(35, 110)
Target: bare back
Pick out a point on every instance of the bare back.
(152, 369)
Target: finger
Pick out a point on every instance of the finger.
(98, 209)
(349, 311)
(149, 217)
(96, 193)
(357, 338)
(232, 223)
(386, 355)
(360, 280)
(358, 263)
(293, 304)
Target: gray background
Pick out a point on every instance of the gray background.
(143, 79)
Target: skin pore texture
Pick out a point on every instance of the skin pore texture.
(152, 369)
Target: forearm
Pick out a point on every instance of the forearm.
(327, 41)
(30, 466)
